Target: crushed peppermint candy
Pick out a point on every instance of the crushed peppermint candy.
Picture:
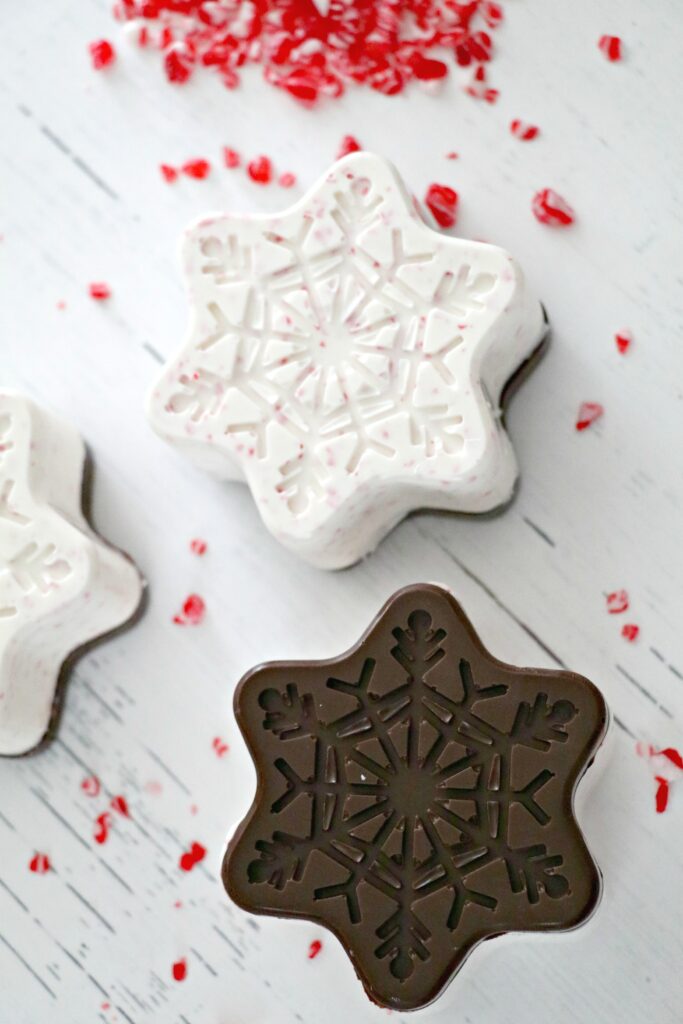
(192, 613)
(198, 169)
(479, 88)
(315, 51)
(630, 631)
(260, 170)
(617, 602)
(102, 54)
(523, 130)
(610, 47)
(287, 180)
(99, 291)
(550, 208)
(231, 157)
(589, 412)
(442, 203)
(623, 340)
(349, 144)
(168, 173)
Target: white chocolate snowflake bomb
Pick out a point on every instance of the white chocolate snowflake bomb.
(347, 361)
(60, 585)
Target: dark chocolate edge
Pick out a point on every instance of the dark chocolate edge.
(67, 666)
(571, 784)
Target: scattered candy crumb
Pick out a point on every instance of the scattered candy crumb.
(287, 180)
(610, 47)
(260, 170)
(478, 87)
(666, 765)
(120, 805)
(61, 305)
(314, 949)
(442, 203)
(630, 631)
(452, 155)
(231, 157)
(40, 864)
(91, 785)
(617, 602)
(348, 144)
(198, 168)
(198, 546)
(589, 412)
(195, 855)
(220, 746)
(102, 54)
(623, 341)
(179, 970)
(550, 208)
(192, 612)
(662, 794)
(169, 173)
(524, 131)
(101, 833)
(99, 290)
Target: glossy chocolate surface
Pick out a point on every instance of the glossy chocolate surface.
(415, 796)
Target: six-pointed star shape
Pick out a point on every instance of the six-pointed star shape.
(415, 796)
(347, 361)
(61, 586)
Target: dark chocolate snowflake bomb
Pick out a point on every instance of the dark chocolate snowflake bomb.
(415, 797)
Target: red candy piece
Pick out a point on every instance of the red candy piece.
(610, 46)
(662, 794)
(120, 805)
(617, 602)
(287, 180)
(179, 970)
(231, 157)
(178, 69)
(102, 54)
(550, 208)
(220, 746)
(524, 131)
(195, 855)
(169, 173)
(589, 412)
(198, 546)
(673, 755)
(193, 611)
(314, 949)
(101, 833)
(196, 169)
(91, 785)
(630, 631)
(39, 864)
(260, 170)
(478, 87)
(348, 144)
(442, 202)
(99, 290)
(623, 341)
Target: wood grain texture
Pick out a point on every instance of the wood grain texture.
(83, 200)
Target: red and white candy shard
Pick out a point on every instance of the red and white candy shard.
(60, 585)
(347, 361)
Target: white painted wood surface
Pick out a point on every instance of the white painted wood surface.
(82, 200)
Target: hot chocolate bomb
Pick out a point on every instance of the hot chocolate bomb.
(347, 362)
(415, 797)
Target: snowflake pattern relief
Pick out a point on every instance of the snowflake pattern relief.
(411, 793)
(334, 344)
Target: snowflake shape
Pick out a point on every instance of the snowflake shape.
(60, 585)
(415, 796)
(347, 361)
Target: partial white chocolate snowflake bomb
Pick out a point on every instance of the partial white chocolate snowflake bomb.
(347, 361)
(60, 585)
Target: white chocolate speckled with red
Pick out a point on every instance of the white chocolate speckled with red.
(347, 361)
(60, 585)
